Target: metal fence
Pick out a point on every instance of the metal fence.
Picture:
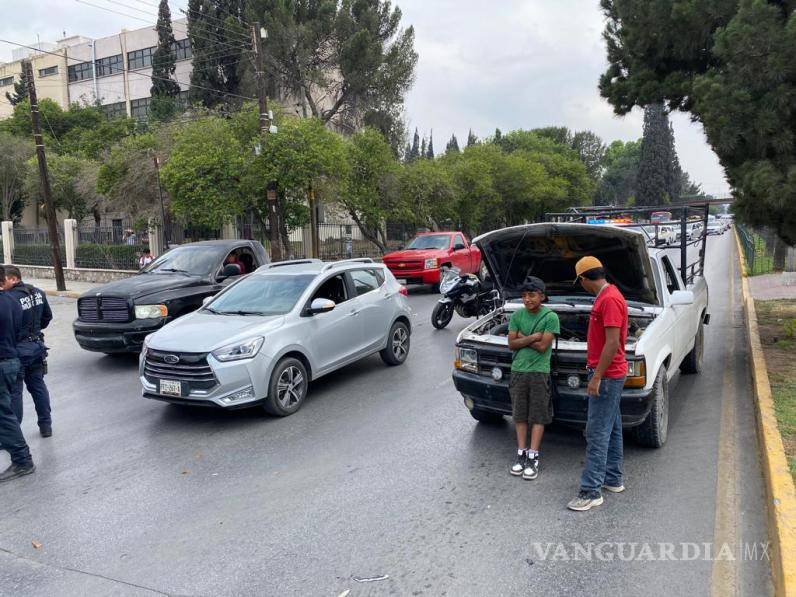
(116, 247)
(32, 247)
(764, 252)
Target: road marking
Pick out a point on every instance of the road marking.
(725, 530)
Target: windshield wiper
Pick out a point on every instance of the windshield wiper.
(240, 312)
(174, 270)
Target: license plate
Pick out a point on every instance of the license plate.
(170, 388)
(401, 281)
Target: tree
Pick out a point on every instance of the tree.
(430, 148)
(369, 191)
(618, 182)
(66, 173)
(353, 54)
(165, 90)
(414, 150)
(390, 123)
(591, 151)
(659, 174)
(218, 40)
(427, 194)
(14, 153)
(20, 90)
(559, 134)
(731, 66)
(471, 138)
(204, 173)
(453, 145)
(423, 148)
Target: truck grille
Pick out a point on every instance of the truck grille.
(190, 367)
(489, 359)
(405, 265)
(104, 309)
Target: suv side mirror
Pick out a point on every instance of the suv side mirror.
(321, 305)
(458, 247)
(682, 297)
(230, 270)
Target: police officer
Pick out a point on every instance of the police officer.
(36, 315)
(11, 438)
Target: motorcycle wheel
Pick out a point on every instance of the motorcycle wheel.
(441, 315)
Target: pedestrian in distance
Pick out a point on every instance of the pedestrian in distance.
(532, 330)
(36, 316)
(607, 368)
(145, 259)
(11, 438)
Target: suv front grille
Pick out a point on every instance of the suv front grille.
(104, 309)
(191, 367)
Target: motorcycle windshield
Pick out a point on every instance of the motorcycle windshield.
(449, 279)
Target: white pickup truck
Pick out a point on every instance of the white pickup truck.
(666, 320)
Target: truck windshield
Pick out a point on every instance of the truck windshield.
(269, 294)
(194, 260)
(430, 241)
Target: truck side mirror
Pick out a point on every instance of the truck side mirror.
(682, 297)
(458, 247)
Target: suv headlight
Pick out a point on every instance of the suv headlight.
(430, 263)
(466, 359)
(150, 311)
(239, 351)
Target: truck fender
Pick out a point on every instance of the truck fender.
(652, 369)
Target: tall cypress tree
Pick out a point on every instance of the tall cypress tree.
(471, 138)
(216, 33)
(430, 148)
(659, 174)
(453, 145)
(165, 90)
(423, 148)
(414, 152)
(20, 90)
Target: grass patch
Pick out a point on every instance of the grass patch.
(775, 321)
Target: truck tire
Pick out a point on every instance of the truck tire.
(397, 348)
(287, 389)
(653, 431)
(692, 363)
(441, 315)
(483, 416)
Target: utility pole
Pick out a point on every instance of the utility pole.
(265, 129)
(52, 221)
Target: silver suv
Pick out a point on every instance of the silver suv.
(263, 339)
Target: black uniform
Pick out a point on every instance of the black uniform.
(36, 315)
(11, 437)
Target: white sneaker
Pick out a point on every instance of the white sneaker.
(518, 465)
(585, 501)
(614, 488)
(531, 469)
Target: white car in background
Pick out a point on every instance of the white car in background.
(266, 337)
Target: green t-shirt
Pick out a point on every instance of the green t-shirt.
(528, 360)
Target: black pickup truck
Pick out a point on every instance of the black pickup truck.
(116, 317)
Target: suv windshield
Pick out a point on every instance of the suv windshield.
(269, 294)
(431, 241)
(194, 260)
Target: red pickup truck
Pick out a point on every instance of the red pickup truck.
(420, 262)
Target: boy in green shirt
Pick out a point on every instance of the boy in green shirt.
(531, 333)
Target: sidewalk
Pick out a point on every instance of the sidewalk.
(73, 289)
(773, 286)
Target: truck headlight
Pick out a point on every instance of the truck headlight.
(430, 263)
(150, 311)
(636, 373)
(239, 351)
(466, 359)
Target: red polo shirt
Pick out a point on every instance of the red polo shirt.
(609, 311)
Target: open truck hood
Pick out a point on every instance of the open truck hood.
(549, 251)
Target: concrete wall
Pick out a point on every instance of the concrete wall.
(96, 276)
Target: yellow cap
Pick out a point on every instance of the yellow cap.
(585, 264)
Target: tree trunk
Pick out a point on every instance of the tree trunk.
(780, 254)
(371, 235)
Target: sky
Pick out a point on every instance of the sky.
(509, 65)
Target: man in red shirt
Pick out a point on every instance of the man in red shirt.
(607, 367)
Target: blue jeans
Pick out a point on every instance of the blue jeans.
(11, 438)
(604, 438)
(32, 374)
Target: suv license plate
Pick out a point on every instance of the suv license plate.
(170, 388)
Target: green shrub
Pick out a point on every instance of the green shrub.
(108, 256)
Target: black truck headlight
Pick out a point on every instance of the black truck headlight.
(466, 359)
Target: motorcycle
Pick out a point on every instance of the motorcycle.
(463, 294)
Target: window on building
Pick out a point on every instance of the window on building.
(117, 110)
(139, 108)
(140, 58)
(80, 72)
(182, 49)
(49, 71)
(111, 65)
(6, 81)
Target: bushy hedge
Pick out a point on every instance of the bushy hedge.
(117, 257)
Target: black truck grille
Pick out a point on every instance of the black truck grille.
(104, 309)
(189, 367)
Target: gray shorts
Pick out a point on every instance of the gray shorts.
(531, 399)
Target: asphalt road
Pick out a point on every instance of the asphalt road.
(382, 472)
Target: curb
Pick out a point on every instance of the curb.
(63, 293)
(780, 493)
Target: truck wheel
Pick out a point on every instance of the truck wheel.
(397, 348)
(692, 363)
(483, 416)
(653, 431)
(441, 315)
(288, 388)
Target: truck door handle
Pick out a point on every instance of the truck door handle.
(355, 312)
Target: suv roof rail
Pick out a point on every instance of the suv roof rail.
(288, 262)
(329, 266)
